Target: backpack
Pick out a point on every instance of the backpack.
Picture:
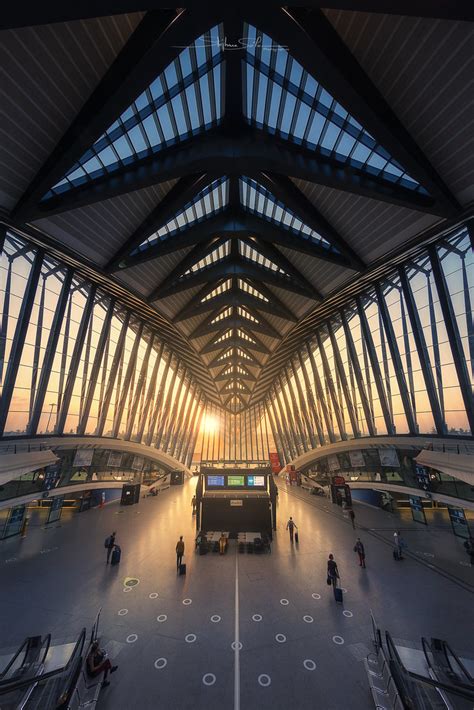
(107, 541)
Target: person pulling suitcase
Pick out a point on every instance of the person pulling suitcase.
(116, 555)
(179, 553)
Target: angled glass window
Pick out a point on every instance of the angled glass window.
(214, 257)
(209, 201)
(244, 286)
(245, 336)
(226, 313)
(283, 99)
(181, 102)
(244, 313)
(253, 255)
(225, 336)
(259, 201)
(222, 288)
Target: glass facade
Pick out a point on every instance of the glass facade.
(395, 359)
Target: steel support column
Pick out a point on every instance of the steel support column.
(19, 337)
(330, 385)
(105, 403)
(452, 330)
(396, 360)
(126, 382)
(422, 349)
(320, 394)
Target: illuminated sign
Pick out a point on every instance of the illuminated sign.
(256, 480)
(236, 480)
(215, 480)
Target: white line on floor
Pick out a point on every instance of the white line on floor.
(237, 643)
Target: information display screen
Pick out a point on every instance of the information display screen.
(215, 481)
(256, 481)
(236, 480)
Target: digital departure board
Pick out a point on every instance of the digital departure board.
(215, 481)
(236, 481)
(256, 481)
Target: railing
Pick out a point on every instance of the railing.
(76, 655)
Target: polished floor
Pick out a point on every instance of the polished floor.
(239, 631)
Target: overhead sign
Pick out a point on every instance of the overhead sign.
(83, 457)
(115, 459)
(236, 503)
(389, 457)
(356, 458)
(333, 463)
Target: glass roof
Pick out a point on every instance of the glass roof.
(222, 251)
(244, 313)
(244, 286)
(222, 288)
(209, 201)
(183, 101)
(253, 255)
(259, 201)
(223, 314)
(283, 99)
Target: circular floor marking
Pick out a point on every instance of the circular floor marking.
(309, 664)
(131, 582)
(122, 612)
(316, 596)
(131, 638)
(190, 638)
(257, 617)
(284, 602)
(160, 663)
(153, 595)
(338, 640)
(186, 602)
(280, 638)
(348, 613)
(236, 645)
(127, 589)
(161, 618)
(209, 679)
(308, 619)
(264, 680)
(215, 618)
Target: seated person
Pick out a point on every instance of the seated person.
(97, 663)
(222, 544)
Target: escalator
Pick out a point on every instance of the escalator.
(26, 666)
(444, 665)
(24, 683)
(419, 692)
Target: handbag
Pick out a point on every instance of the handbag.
(328, 581)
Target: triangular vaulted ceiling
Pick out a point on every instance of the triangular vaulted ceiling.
(234, 254)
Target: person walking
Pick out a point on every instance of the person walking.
(193, 503)
(399, 545)
(109, 544)
(333, 572)
(291, 525)
(352, 518)
(359, 548)
(179, 551)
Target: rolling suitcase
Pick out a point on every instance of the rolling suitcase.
(182, 569)
(296, 537)
(116, 554)
(338, 594)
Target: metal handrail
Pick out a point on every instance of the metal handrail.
(9, 687)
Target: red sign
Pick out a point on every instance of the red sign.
(338, 480)
(275, 462)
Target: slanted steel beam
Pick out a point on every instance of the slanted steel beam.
(147, 53)
(311, 39)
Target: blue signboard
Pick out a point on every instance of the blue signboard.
(417, 511)
(14, 523)
(458, 522)
(215, 481)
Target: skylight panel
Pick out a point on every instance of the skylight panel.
(284, 99)
(253, 255)
(260, 201)
(208, 202)
(244, 286)
(213, 258)
(225, 314)
(182, 101)
(222, 288)
(243, 313)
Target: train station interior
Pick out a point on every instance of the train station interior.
(237, 355)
